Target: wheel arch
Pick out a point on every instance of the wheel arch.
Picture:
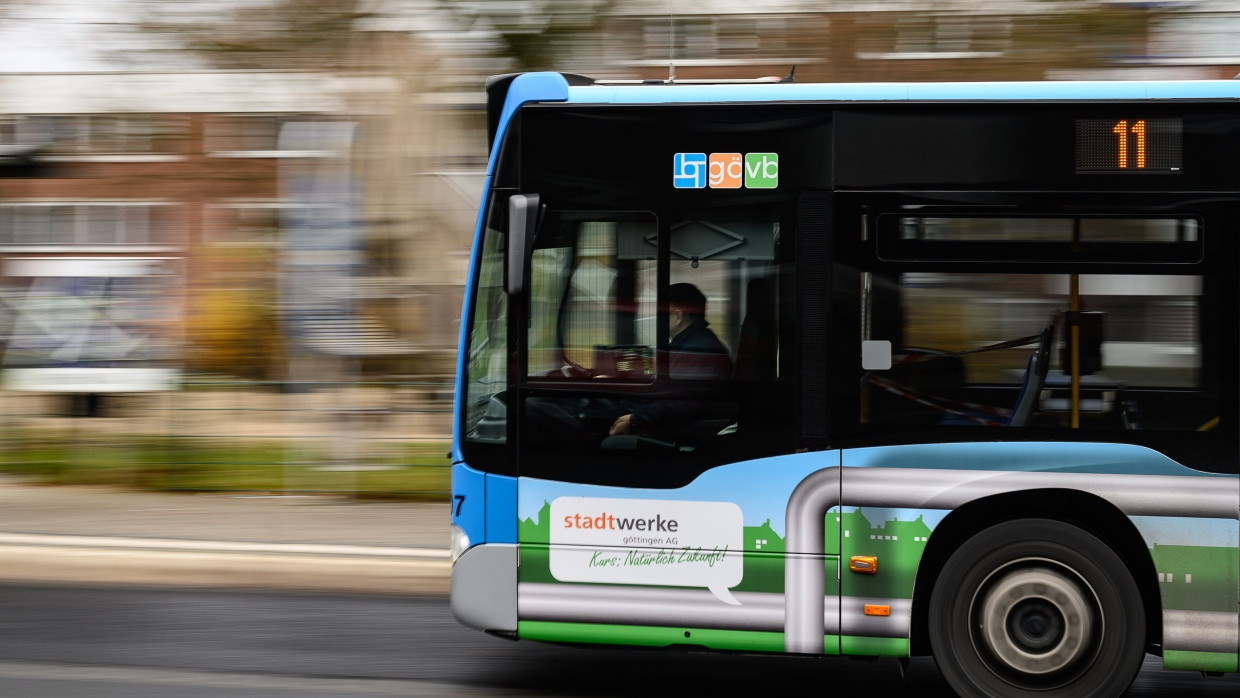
(1083, 510)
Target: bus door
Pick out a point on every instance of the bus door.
(649, 340)
(652, 348)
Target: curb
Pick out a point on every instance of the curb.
(223, 564)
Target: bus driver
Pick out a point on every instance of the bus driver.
(695, 354)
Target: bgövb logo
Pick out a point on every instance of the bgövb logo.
(725, 170)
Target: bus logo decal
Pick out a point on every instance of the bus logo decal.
(689, 171)
(725, 170)
(762, 170)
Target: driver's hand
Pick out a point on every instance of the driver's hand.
(622, 425)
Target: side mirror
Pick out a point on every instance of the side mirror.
(522, 222)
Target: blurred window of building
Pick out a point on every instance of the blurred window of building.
(243, 242)
(1196, 37)
(98, 136)
(248, 135)
(116, 225)
(51, 226)
(685, 38)
(728, 36)
(754, 36)
(8, 130)
(245, 223)
(920, 36)
(242, 132)
(742, 35)
(128, 133)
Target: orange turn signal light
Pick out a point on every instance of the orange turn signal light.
(863, 564)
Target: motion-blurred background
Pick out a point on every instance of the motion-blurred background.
(234, 233)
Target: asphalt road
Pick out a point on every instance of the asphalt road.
(109, 594)
(108, 642)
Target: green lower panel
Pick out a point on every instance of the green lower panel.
(874, 646)
(652, 636)
(1201, 661)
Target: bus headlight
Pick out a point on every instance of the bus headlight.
(459, 544)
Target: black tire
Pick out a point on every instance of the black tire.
(1036, 607)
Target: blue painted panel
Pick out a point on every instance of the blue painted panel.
(470, 513)
(530, 87)
(501, 509)
(458, 405)
(488, 512)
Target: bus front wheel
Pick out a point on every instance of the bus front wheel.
(1036, 606)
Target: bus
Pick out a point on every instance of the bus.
(971, 389)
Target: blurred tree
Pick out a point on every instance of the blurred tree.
(533, 34)
(1020, 41)
(233, 332)
(1098, 35)
(262, 34)
(403, 133)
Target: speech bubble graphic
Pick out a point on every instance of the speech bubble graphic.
(648, 541)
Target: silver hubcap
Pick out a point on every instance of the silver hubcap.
(1036, 618)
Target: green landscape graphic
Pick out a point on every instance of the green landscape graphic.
(1196, 578)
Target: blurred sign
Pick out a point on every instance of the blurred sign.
(323, 246)
(95, 325)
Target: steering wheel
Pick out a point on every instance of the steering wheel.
(575, 371)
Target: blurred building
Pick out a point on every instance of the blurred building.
(292, 225)
(827, 40)
(230, 223)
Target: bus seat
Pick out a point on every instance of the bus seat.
(1035, 378)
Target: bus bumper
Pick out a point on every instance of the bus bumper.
(484, 587)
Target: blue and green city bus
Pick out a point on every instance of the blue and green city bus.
(966, 375)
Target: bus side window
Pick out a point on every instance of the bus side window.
(969, 338)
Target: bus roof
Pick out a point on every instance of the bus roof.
(885, 92)
(506, 93)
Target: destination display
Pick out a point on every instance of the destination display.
(1032, 147)
(1129, 145)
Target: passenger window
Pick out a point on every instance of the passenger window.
(997, 350)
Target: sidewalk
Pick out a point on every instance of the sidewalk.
(89, 535)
